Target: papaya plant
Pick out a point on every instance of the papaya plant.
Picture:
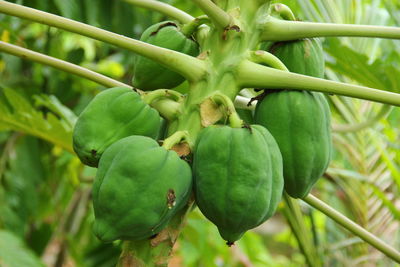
(254, 55)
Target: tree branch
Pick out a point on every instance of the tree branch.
(189, 67)
(353, 227)
(252, 75)
(163, 8)
(218, 16)
(60, 64)
(284, 30)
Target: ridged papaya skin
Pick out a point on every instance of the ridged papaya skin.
(238, 180)
(112, 114)
(138, 187)
(304, 56)
(299, 120)
(300, 123)
(148, 74)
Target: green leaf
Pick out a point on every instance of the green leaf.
(386, 201)
(70, 9)
(22, 182)
(14, 253)
(54, 105)
(355, 66)
(102, 255)
(17, 114)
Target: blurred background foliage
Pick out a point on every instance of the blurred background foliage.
(45, 207)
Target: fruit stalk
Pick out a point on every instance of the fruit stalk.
(152, 96)
(190, 28)
(266, 58)
(174, 139)
(217, 15)
(283, 11)
(167, 108)
(234, 119)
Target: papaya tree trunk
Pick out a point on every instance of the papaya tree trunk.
(155, 251)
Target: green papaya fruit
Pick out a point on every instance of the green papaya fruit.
(150, 75)
(299, 120)
(238, 178)
(112, 114)
(138, 187)
(246, 115)
(304, 56)
(300, 124)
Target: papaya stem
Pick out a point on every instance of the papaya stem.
(252, 75)
(189, 28)
(163, 8)
(284, 30)
(218, 16)
(353, 227)
(266, 58)
(60, 64)
(168, 109)
(155, 252)
(150, 97)
(189, 67)
(234, 119)
(283, 11)
(174, 139)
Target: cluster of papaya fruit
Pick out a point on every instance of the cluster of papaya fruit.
(139, 185)
(116, 133)
(237, 174)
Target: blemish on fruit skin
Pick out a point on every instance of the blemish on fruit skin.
(171, 198)
(235, 28)
(169, 23)
(153, 236)
(278, 7)
(246, 126)
(259, 52)
(230, 28)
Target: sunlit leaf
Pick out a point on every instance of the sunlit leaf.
(14, 253)
(20, 115)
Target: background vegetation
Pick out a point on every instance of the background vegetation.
(45, 205)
